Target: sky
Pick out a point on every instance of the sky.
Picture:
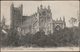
(58, 8)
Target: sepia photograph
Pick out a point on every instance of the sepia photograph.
(40, 26)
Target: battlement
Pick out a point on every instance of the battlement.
(16, 15)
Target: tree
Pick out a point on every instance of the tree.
(72, 21)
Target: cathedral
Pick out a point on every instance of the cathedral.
(39, 21)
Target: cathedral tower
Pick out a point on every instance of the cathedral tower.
(45, 19)
(16, 16)
(16, 19)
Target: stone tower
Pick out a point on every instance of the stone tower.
(16, 19)
(64, 22)
(45, 19)
(16, 16)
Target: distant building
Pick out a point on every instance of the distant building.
(39, 21)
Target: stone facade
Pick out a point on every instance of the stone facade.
(39, 21)
(16, 16)
(26, 25)
(45, 19)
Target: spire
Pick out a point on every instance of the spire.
(49, 7)
(41, 6)
(60, 19)
(63, 18)
(64, 21)
(37, 9)
(12, 5)
(21, 6)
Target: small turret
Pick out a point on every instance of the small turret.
(21, 9)
(21, 6)
(64, 21)
(60, 19)
(41, 6)
(49, 8)
(37, 9)
(63, 18)
(12, 5)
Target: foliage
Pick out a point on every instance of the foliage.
(63, 37)
(72, 21)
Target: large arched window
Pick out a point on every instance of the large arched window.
(57, 27)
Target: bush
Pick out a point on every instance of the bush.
(63, 37)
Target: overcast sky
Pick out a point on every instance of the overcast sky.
(59, 8)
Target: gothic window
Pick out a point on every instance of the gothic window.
(58, 27)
